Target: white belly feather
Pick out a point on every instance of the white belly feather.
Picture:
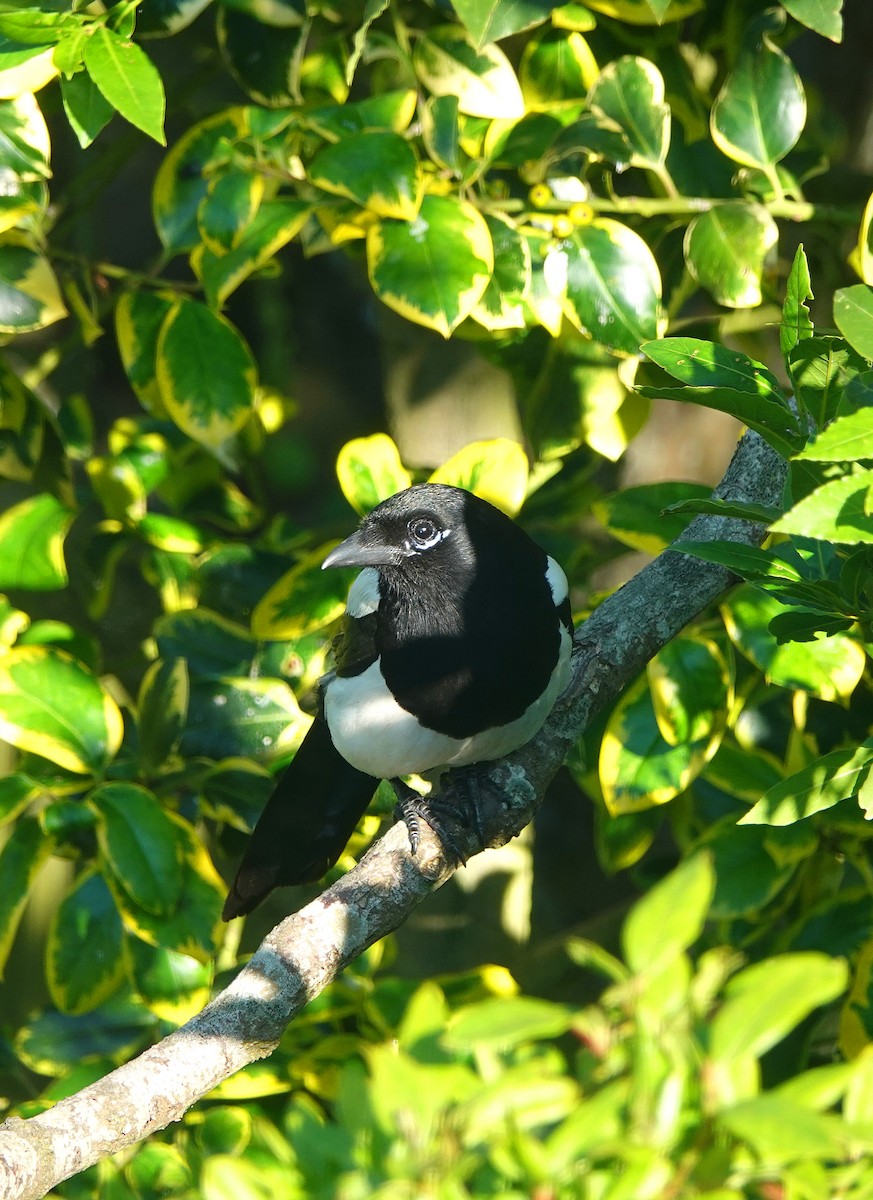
(376, 735)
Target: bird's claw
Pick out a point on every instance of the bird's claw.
(458, 804)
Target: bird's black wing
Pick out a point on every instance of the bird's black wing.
(354, 647)
(308, 820)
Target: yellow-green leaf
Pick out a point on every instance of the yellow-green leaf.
(26, 71)
(303, 600)
(495, 470)
(54, 706)
(25, 851)
(29, 294)
(760, 111)
(138, 320)
(377, 169)
(206, 373)
(84, 959)
(369, 471)
(432, 270)
(32, 544)
(448, 63)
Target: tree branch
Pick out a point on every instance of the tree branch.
(310, 948)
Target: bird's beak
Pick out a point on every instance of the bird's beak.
(362, 550)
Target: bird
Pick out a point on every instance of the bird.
(454, 646)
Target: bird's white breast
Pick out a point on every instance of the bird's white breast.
(376, 735)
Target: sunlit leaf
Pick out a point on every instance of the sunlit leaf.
(432, 270)
(52, 705)
(369, 470)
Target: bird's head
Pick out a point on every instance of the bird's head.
(427, 523)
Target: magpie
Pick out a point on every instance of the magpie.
(453, 648)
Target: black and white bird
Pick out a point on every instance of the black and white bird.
(454, 647)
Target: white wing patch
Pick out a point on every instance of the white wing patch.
(364, 593)
(557, 581)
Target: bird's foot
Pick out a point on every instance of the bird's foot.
(460, 802)
(439, 813)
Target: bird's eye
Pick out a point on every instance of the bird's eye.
(424, 532)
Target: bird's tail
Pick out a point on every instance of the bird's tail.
(306, 824)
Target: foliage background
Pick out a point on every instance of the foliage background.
(235, 239)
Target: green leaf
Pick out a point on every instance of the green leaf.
(229, 1177)
(138, 320)
(729, 381)
(253, 718)
(821, 370)
(829, 668)
(84, 960)
(265, 59)
(496, 470)
(556, 70)
(29, 294)
(706, 364)
(194, 925)
(392, 110)
(847, 439)
(168, 17)
(692, 689)
(726, 250)
(838, 511)
(183, 178)
(501, 304)
(727, 508)
(760, 111)
(821, 15)
(170, 533)
(372, 10)
(434, 269)
(276, 223)
(128, 80)
(377, 170)
(162, 707)
(491, 20)
(796, 322)
(32, 544)
(303, 600)
(630, 92)
(780, 1132)
(24, 67)
(853, 313)
(483, 80)
(174, 986)
(140, 844)
(54, 1042)
(229, 207)
(26, 849)
(236, 791)
(640, 517)
(369, 470)
(25, 145)
(827, 781)
(16, 792)
(86, 109)
(613, 287)
(209, 643)
(503, 1022)
(750, 562)
(225, 1130)
(638, 767)
(764, 1002)
(52, 705)
(668, 920)
(205, 372)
